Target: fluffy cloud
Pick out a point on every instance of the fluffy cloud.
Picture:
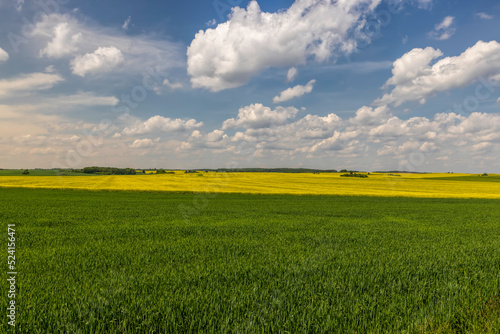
(333, 143)
(4, 56)
(314, 126)
(369, 116)
(144, 143)
(28, 83)
(415, 78)
(397, 142)
(252, 40)
(291, 136)
(266, 129)
(475, 124)
(216, 139)
(64, 40)
(258, 116)
(162, 124)
(102, 60)
(371, 138)
(64, 36)
(370, 130)
(411, 65)
(443, 30)
(294, 92)
(291, 74)
(394, 127)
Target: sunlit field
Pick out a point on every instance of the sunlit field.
(406, 185)
(257, 252)
(129, 262)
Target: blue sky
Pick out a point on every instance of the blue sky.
(360, 84)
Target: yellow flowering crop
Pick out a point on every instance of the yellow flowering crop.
(408, 185)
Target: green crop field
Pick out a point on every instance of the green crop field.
(475, 178)
(38, 172)
(132, 262)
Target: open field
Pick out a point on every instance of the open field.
(126, 262)
(407, 185)
(38, 172)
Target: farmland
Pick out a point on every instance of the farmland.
(387, 185)
(38, 172)
(124, 262)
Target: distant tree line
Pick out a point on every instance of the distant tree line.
(131, 171)
(354, 174)
(398, 172)
(106, 171)
(274, 170)
(162, 171)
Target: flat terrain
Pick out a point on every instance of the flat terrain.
(406, 185)
(38, 172)
(129, 262)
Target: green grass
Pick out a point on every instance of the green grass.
(38, 172)
(118, 262)
(476, 178)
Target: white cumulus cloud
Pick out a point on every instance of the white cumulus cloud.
(415, 79)
(102, 60)
(252, 40)
(371, 130)
(369, 116)
(64, 39)
(294, 92)
(216, 139)
(163, 124)
(144, 143)
(258, 116)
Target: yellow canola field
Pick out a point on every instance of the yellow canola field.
(407, 185)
